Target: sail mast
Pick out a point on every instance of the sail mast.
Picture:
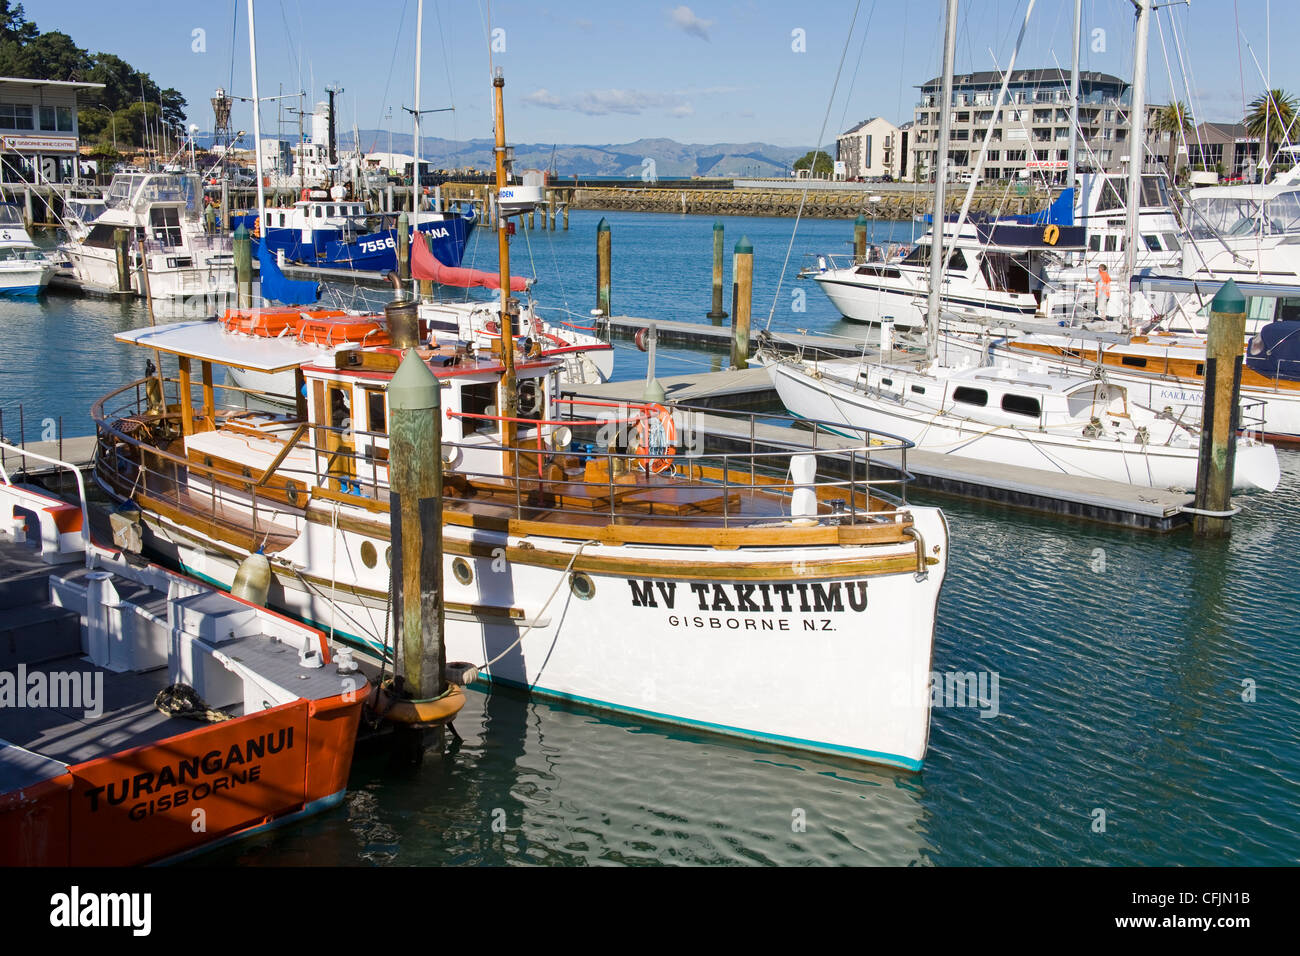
(1074, 99)
(415, 169)
(257, 120)
(508, 305)
(940, 186)
(1136, 136)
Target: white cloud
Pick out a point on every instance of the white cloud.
(684, 19)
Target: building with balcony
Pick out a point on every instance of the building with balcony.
(38, 130)
(870, 150)
(1226, 149)
(1032, 132)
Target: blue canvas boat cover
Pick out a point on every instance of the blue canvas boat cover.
(279, 289)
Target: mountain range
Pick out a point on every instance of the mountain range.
(629, 160)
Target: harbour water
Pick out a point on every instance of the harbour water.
(1146, 707)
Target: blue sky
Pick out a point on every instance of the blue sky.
(703, 72)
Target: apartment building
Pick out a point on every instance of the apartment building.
(1032, 133)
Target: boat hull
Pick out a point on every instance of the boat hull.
(705, 648)
(375, 252)
(1154, 466)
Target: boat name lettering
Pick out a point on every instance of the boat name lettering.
(805, 597)
(230, 767)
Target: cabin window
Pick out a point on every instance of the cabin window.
(970, 396)
(1200, 368)
(340, 407)
(281, 219)
(1094, 243)
(1152, 243)
(478, 399)
(1171, 242)
(165, 225)
(886, 381)
(1026, 405)
(918, 389)
(921, 256)
(1112, 243)
(1136, 361)
(329, 211)
(376, 421)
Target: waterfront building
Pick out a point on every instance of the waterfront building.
(1225, 148)
(38, 130)
(1032, 134)
(870, 150)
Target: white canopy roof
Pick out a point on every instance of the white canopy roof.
(207, 341)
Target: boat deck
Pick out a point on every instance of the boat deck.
(37, 742)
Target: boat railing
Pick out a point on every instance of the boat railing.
(6, 480)
(730, 470)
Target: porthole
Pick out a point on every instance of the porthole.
(582, 586)
(462, 572)
(291, 492)
(388, 556)
(369, 556)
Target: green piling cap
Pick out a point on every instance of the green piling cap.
(1228, 299)
(744, 247)
(241, 232)
(717, 225)
(602, 226)
(861, 220)
(413, 386)
(402, 218)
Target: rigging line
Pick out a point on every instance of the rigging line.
(866, 30)
(446, 64)
(392, 63)
(816, 149)
(234, 26)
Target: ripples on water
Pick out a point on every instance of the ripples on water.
(1120, 689)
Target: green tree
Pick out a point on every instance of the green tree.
(1271, 117)
(1175, 119)
(818, 160)
(14, 25)
(50, 56)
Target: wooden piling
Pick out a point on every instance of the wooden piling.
(566, 217)
(1221, 411)
(604, 251)
(742, 290)
(403, 249)
(243, 267)
(415, 516)
(120, 239)
(716, 312)
(860, 239)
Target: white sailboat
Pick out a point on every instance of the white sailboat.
(1069, 423)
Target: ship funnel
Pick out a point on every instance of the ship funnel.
(403, 324)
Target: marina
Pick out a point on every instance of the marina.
(733, 517)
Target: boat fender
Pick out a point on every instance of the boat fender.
(654, 436)
(182, 700)
(386, 705)
(461, 673)
(253, 579)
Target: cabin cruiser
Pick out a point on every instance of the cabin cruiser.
(167, 244)
(25, 269)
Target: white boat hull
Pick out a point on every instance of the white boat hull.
(1152, 465)
(837, 666)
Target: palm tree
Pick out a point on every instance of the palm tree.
(1271, 117)
(1176, 120)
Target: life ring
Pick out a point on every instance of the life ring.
(257, 227)
(491, 327)
(1052, 234)
(654, 437)
(306, 194)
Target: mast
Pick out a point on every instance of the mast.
(1074, 98)
(508, 305)
(1136, 136)
(257, 120)
(940, 186)
(415, 169)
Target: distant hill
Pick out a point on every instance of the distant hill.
(671, 158)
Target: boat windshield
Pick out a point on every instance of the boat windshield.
(9, 215)
(1224, 216)
(139, 190)
(85, 211)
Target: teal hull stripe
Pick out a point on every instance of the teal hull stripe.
(799, 743)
